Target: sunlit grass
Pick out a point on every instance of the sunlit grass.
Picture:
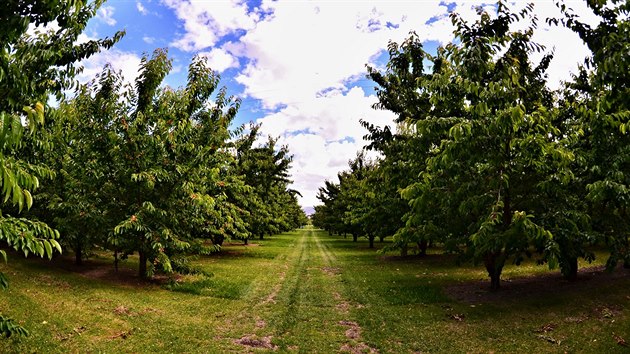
(306, 291)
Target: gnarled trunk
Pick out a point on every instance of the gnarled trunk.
(355, 237)
(371, 238)
(494, 265)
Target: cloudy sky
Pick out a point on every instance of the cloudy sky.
(299, 66)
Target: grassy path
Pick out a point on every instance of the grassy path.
(305, 310)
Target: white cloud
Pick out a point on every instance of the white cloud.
(303, 49)
(106, 14)
(148, 39)
(205, 22)
(126, 62)
(220, 60)
(143, 10)
(567, 47)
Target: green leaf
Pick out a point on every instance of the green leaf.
(48, 248)
(55, 244)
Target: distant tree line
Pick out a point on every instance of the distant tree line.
(485, 159)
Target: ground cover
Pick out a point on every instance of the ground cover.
(306, 291)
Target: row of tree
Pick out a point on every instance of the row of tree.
(159, 171)
(141, 168)
(486, 159)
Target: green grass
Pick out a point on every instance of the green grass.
(305, 291)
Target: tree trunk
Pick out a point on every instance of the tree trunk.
(381, 238)
(371, 238)
(218, 240)
(116, 261)
(403, 250)
(142, 266)
(355, 237)
(494, 266)
(78, 255)
(626, 263)
(245, 241)
(494, 261)
(262, 236)
(571, 274)
(422, 246)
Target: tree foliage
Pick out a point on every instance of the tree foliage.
(489, 162)
(35, 61)
(597, 100)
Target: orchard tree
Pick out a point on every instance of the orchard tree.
(73, 202)
(359, 197)
(327, 215)
(400, 162)
(493, 109)
(265, 168)
(344, 202)
(34, 63)
(599, 99)
(174, 146)
(162, 162)
(402, 89)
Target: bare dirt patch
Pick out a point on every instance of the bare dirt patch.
(531, 287)
(252, 341)
(122, 310)
(359, 348)
(260, 323)
(271, 298)
(65, 336)
(121, 335)
(331, 270)
(343, 307)
(354, 333)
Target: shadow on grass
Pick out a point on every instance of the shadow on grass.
(543, 288)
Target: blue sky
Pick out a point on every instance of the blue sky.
(298, 66)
